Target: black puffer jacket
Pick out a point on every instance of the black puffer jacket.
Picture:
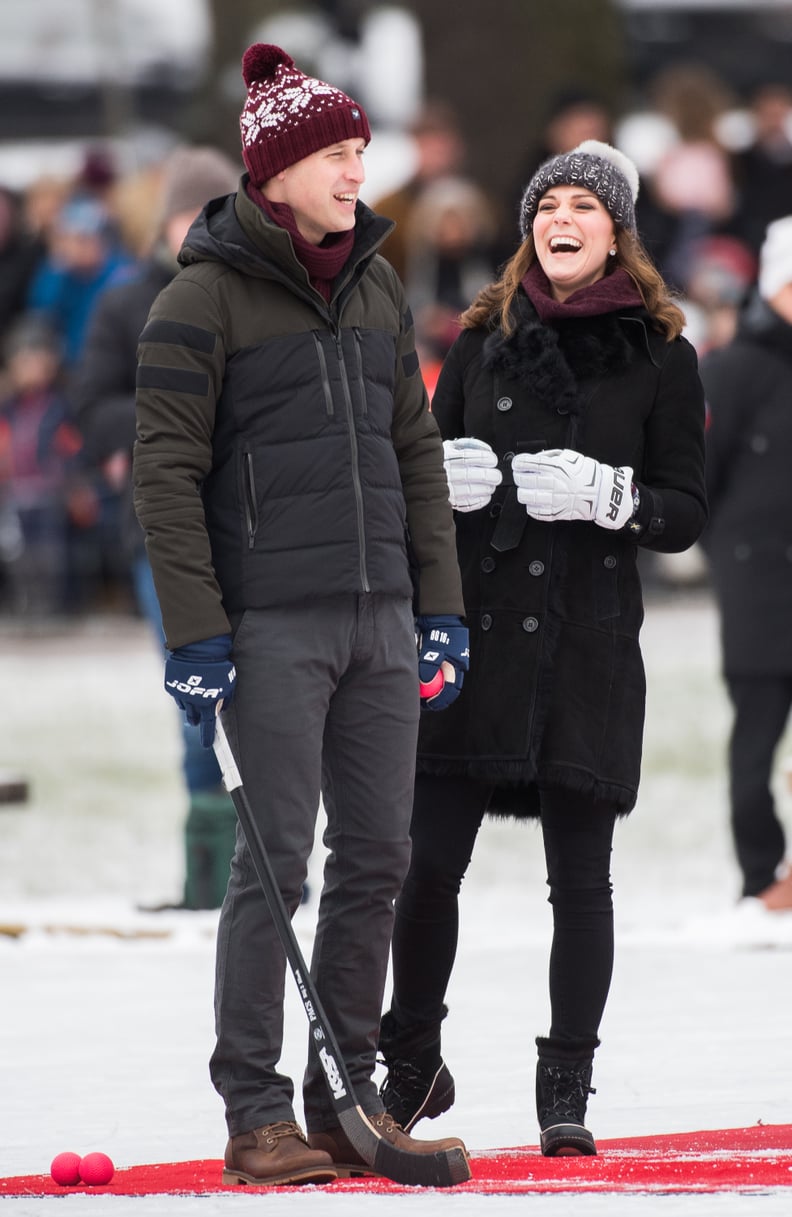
(285, 450)
(749, 538)
(555, 694)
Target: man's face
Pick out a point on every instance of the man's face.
(322, 189)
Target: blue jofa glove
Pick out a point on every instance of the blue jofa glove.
(198, 676)
(443, 655)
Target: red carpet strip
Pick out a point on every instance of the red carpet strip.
(745, 1160)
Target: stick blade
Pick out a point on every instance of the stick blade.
(444, 1169)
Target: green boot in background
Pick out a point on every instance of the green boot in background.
(210, 839)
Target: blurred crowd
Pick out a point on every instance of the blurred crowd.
(81, 259)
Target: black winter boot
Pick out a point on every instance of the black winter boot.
(563, 1084)
(418, 1083)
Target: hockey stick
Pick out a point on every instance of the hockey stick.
(442, 1169)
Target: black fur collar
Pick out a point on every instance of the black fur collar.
(553, 360)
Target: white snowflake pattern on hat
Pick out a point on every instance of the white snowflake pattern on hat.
(288, 107)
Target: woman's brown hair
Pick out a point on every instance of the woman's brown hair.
(493, 304)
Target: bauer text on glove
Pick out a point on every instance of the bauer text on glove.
(443, 646)
(560, 484)
(198, 676)
(471, 471)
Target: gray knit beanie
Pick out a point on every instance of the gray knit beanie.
(596, 166)
(192, 176)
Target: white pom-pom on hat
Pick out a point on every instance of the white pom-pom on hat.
(596, 147)
(775, 258)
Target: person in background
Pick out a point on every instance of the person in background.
(289, 478)
(82, 259)
(38, 444)
(439, 152)
(748, 384)
(720, 278)
(573, 423)
(20, 253)
(763, 170)
(104, 405)
(690, 194)
(450, 248)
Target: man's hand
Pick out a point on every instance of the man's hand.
(559, 484)
(443, 651)
(197, 677)
(471, 471)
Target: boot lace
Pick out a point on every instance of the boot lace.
(405, 1087)
(386, 1124)
(284, 1128)
(564, 1094)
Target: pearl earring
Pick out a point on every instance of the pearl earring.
(612, 253)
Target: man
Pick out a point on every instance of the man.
(104, 401)
(285, 465)
(749, 545)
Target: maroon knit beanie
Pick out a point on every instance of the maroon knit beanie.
(288, 115)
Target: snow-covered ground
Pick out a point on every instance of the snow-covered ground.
(105, 1036)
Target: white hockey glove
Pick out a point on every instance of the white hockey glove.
(559, 484)
(472, 473)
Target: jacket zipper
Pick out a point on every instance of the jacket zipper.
(326, 389)
(251, 508)
(359, 357)
(353, 444)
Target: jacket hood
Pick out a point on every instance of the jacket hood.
(233, 230)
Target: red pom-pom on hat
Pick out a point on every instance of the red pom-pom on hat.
(261, 60)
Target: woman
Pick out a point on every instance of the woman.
(571, 376)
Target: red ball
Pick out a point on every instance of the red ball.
(65, 1169)
(96, 1169)
(431, 688)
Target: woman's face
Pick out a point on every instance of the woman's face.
(573, 233)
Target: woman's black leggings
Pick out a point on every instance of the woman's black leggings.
(578, 835)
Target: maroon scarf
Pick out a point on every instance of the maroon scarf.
(323, 262)
(607, 295)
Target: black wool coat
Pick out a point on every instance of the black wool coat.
(556, 689)
(749, 537)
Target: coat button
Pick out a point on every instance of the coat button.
(561, 410)
(609, 562)
(536, 568)
(503, 404)
(495, 510)
(486, 621)
(508, 456)
(530, 625)
(487, 564)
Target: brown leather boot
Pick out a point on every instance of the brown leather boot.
(276, 1153)
(348, 1162)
